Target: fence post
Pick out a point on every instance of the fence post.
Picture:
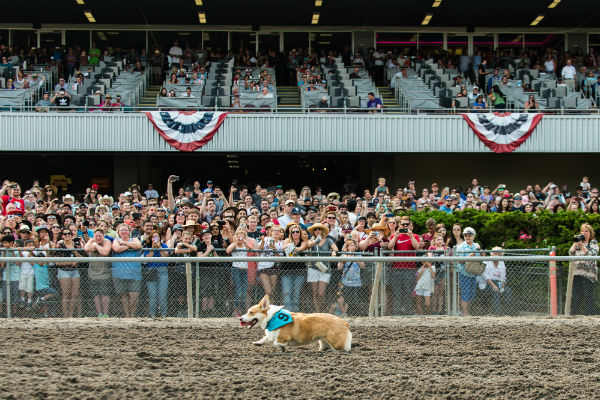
(378, 269)
(447, 291)
(569, 290)
(553, 292)
(188, 281)
(197, 290)
(382, 294)
(8, 295)
(454, 290)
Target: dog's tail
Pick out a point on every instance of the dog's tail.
(348, 342)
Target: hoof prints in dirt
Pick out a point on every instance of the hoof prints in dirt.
(428, 361)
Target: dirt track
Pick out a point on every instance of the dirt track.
(392, 358)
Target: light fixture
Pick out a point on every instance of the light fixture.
(436, 3)
(80, 2)
(318, 3)
(554, 3)
(202, 17)
(315, 18)
(89, 16)
(537, 20)
(427, 18)
(198, 2)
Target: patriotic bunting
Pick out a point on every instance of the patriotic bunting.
(186, 131)
(503, 132)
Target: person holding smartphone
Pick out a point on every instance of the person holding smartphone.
(156, 274)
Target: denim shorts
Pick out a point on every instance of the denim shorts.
(468, 286)
(68, 274)
(123, 286)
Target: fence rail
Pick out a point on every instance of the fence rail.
(358, 284)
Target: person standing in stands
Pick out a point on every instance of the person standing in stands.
(568, 75)
(94, 54)
(175, 52)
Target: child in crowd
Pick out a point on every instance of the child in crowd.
(585, 185)
(381, 188)
(425, 287)
(26, 276)
(10, 271)
(351, 277)
(437, 244)
(340, 307)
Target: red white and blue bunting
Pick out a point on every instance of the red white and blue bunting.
(186, 131)
(503, 132)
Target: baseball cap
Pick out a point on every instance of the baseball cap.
(137, 205)
(94, 186)
(448, 198)
(296, 210)
(177, 227)
(290, 202)
(346, 227)
(205, 231)
(209, 182)
(469, 231)
(127, 194)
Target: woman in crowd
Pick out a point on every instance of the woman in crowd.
(319, 273)
(156, 274)
(479, 103)
(99, 275)
(585, 273)
(592, 207)
(292, 274)
(351, 278)
(127, 276)
(212, 276)
(466, 280)
(532, 104)
(502, 207)
(239, 272)
(68, 272)
(497, 98)
(268, 271)
(456, 237)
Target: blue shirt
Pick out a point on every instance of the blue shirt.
(464, 249)
(40, 273)
(127, 270)
(445, 209)
(374, 103)
(156, 253)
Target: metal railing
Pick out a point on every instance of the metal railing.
(356, 284)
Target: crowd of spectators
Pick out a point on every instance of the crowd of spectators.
(204, 222)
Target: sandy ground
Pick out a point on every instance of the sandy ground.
(437, 357)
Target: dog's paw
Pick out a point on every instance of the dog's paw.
(258, 343)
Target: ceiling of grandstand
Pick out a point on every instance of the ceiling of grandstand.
(449, 13)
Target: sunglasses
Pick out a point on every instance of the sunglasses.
(67, 233)
(404, 224)
(6, 232)
(56, 227)
(318, 229)
(299, 231)
(330, 217)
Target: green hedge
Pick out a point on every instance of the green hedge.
(503, 229)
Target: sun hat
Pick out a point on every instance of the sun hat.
(379, 227)
(323, 228)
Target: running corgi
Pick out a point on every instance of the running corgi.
(284, 328)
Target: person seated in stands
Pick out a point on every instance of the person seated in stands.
(494, 79)
(5, 62)
(355, 74)
(253, 87)
(235, 102)
(60, 85)
(76, 84)
(202, 73)
(188, 92)
(163, 93)
(462, 93)
(532, 104)
(479, 103)
(311, 87)
(236, 78)
(303, 81)
(588, 84)
(61, 98)
(504, 82)
(43, 104)
(139, 67)
(187, 81)
(117, 103)
(375, 103)
(264, 94)
(173, 80)
(458, 81)
(181, 73)
(474, 94)
(559, 82)
(107, 103)
(10, 85)
(323, 103)
(172, 93)
(357, 60)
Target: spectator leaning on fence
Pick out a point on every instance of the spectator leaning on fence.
(585, 273)
(99, 274)
(493, 282)
(156, 274)
(127, 276)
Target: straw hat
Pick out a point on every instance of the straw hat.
(379, 227)
(189, 223)
(312, 228)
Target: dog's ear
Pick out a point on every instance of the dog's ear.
(265, 303)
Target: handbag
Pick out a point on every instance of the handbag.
(475, 267)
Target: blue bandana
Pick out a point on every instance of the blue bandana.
(280, 318)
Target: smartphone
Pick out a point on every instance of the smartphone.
(174, 178)
(403, 230)
(155, 239)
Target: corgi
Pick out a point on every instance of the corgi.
(284, 328)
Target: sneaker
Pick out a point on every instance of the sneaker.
(37, 304)
(28, 306)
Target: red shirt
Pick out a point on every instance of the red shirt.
(19, 205)
(403, 242)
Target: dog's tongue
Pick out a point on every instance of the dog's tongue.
(242, 323)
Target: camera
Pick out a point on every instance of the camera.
(220, 222)
(214, 195)
(578, 238)
(174, 178)
(403, 230)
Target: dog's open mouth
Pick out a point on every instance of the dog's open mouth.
(249, 324)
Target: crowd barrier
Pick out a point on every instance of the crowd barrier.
(224, 287)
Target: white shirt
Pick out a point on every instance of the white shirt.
(568, 72)
(495, 273)
(175, 52)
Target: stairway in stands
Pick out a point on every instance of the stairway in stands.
(289, 98)
(388, 98)
(149, 98)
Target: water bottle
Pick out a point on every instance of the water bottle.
(500, 288)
